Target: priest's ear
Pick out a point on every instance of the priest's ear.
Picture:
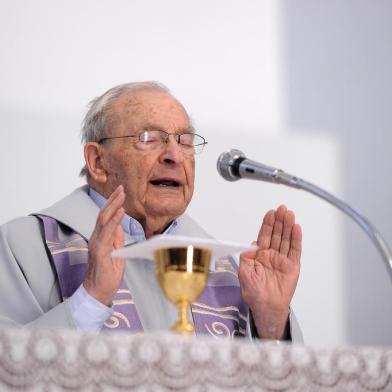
(95, 162)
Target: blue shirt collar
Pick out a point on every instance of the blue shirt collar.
(129, 224)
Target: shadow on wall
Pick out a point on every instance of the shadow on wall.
(338, 57)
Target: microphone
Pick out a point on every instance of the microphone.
(233, 165)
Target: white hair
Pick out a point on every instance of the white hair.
(99, 115)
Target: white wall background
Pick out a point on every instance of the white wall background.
(255, 75)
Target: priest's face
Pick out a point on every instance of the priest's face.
(158, 182)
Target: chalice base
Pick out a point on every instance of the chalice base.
(183, 328)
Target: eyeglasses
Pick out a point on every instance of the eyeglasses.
(190, 142)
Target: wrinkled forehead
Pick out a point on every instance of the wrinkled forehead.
(145, 109)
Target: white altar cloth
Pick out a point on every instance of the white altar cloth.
(69, 361)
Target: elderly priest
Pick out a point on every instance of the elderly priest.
(56, 268)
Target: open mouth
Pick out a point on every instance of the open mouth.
(165, 183)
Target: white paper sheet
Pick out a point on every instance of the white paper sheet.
(147, 248)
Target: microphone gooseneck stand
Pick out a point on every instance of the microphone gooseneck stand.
(239, 167)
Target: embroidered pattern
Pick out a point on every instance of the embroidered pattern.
(70, 256)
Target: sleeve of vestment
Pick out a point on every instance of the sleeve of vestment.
(293, 330)
(29, 294)
(88, 313)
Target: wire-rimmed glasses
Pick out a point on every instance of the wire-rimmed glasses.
(191, 143)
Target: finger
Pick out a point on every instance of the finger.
(115, 201)
(265, 233)
(118, 237)
(118, 243)
(107, 233)
(114, 194)
(250, 254)
(277, 231)
(288, 223)
(112, 204)
(296, 244)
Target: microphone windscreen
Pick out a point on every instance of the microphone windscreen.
(226, 164)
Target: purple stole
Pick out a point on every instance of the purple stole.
(219, 311)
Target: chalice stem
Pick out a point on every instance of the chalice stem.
(183, 325)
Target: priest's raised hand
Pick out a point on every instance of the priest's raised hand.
(268, 276)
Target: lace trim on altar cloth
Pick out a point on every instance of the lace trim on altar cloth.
(68, 361)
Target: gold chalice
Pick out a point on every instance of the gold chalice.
(182, 274)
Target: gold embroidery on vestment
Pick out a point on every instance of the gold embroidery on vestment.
(123, 291)
(225, 331)
(52, 243)
(220, 270)
(116, 322)
(70, 249)
(220, 309)
(123, 302)
(223, 316)
(219, 329)
(225, 265)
